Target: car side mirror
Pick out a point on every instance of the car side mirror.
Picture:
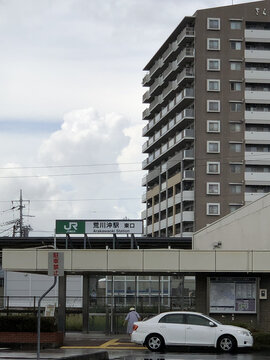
(212, 324)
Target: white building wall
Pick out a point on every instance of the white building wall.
(245, 229)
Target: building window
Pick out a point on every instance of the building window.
(235, 65)
(236, 107)
(236, 168)
(213, 126)
(213, 105)
(236, 45)
(235, 127)
(236, 24)
(236, 147)
(213, 85)
(213, 23)
(235, 188)
(213, 146)
(234, 207)
(236, 86)
(213, 167)
(213, 64)
(213, 208)
(213, 188)
(213, 44)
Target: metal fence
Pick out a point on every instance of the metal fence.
(106, 314)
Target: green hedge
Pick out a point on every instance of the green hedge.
(26, 324)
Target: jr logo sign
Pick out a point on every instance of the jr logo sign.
(70, 227)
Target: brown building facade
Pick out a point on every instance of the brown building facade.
(208, 120)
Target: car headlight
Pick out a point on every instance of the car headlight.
(244, 332)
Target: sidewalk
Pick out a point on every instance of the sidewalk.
(79, 345)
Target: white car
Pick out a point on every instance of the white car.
(190, 329)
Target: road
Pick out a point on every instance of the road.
(172, 355)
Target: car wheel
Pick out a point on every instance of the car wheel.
(226, 343)
(154, 342)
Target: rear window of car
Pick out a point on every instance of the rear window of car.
(173, 319)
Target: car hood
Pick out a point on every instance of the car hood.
(233, 328)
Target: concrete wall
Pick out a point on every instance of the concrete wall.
(245, 229)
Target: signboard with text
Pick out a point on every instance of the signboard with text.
(56, 263)
(99, 227)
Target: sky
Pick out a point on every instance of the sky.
(71, 104)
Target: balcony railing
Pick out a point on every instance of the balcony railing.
(156, 66)
(172, 47)
(187, 113)
(187, 133)
(188, 31)
(173, 122)
(146, 79)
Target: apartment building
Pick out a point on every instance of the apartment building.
(207, 124)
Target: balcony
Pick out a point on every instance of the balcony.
(146, 97)
(170, 69)
(257, 158)
(188, 195)
(257, 35)
(188, 175)
(185, 35)
(157, 102)
(144, 180)
(156, 85)
(185, 76)
(257, 117)
(146, 114)
(188, 216)
(169, 145)
(185, 56)
(146, 80)
(165, 130)
(257, 76)
(257, 97)
(144, 197)
(143, 214)
(257, 137)
(249, 197)
(171, 49)
(172, 86)
(149, 229)
(257, 178)
(188, 154)
(158, 64)
(257, 56)
(184, 216)
(185, 114)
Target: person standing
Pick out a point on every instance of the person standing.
(131, 318)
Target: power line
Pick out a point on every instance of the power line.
(65, 166)
(78, 174)
(74, 200)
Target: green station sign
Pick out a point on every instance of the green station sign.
(70, 227)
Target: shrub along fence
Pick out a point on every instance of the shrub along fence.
(22, 329)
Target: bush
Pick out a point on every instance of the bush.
(26, 324)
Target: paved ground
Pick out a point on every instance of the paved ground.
(78, 344)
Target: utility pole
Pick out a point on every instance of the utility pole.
(18, 226)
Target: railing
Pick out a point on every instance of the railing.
(156, 66)
(167, 127)
(188, 31)
(168, 145)
(167, 109)
(144, 302)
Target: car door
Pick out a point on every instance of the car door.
(199, 330)
(173, 329)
